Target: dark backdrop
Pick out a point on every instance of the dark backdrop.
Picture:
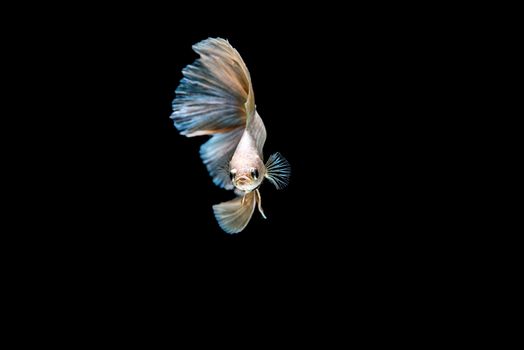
(116, 206)
(342, 96)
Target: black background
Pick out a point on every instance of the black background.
(340, 93)
(112, 207)
(116, 206)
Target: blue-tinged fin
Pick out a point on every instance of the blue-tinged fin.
(216, 154)
(215, 94)
(278, 170)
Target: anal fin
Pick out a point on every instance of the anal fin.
(234, 215)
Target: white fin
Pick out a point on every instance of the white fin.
(278, 170)
(215, 94)
(257, 130)
(259, 201)
(234, 215)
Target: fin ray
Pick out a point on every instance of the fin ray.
(278, 170)
(215, 93)
(234, 215)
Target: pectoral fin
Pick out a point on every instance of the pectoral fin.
(234, 215)
(278, 170)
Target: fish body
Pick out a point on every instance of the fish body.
(216, 98)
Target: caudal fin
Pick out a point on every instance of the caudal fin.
(215, 94)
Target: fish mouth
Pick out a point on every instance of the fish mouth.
(242, 180)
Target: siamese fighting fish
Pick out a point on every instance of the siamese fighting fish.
(215, 98)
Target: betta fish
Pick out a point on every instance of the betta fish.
(215, 98)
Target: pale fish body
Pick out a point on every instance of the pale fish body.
(216, 98)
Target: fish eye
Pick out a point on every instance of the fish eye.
(254, 174)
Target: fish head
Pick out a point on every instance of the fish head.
(247, 178)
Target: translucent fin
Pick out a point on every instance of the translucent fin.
(278, 170)
(259, 201)
(216, 154)
(234, 215)
(257, 130)
(215, 95)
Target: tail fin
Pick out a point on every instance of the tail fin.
(215, 94)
